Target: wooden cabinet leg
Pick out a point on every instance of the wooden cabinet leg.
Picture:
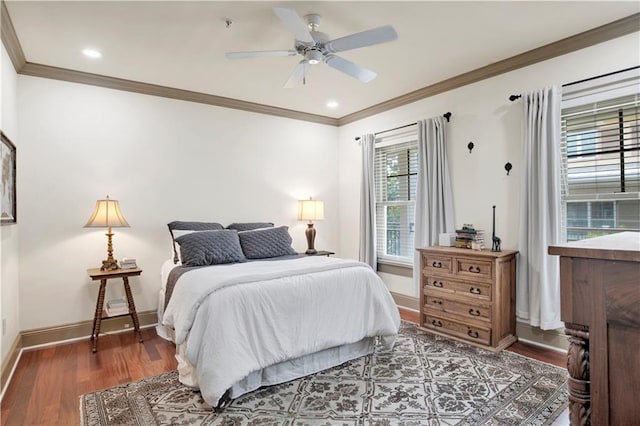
(97, 317)
(579, 378)
(132, 308)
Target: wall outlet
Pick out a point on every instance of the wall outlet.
(4, 326)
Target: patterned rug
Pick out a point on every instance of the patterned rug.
(424, 380)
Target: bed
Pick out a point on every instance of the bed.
(260, 321)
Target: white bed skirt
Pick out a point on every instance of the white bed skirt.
(284, 371)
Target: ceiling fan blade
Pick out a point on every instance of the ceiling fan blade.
(298, 75)
(259, 54)
(354, 70)
(363, 39)
(294, 23)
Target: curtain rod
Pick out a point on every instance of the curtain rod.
(445, 115)
(514, 97)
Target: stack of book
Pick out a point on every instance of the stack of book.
(470, 238)
(117, 307)
(128, 263)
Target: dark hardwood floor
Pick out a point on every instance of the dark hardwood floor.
(48, 382)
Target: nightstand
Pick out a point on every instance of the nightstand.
(320, 253)
(102, 276)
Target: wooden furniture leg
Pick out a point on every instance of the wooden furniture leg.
(132, 308)
(97, 318)
(579, 377)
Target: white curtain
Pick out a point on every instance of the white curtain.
(368, 203)
(434, 197)
(538, 283)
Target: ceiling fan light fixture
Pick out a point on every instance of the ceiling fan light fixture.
(314, 57)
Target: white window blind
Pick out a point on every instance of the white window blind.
(601, 167)
(396, 169)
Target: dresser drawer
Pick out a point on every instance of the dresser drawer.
(463, 331)
(439, 264)
(434, 285)
(461, 310)
(474, 269)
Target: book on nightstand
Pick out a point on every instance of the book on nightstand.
(116, 307)
(128, 263)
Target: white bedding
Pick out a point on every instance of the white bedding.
(235, 320)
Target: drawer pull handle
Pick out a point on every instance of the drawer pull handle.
(437, 264)
(437, 284)
(474, 312)
(474, 269)
(473, 334)
(474, 290)
(437, 302)
(436, 323)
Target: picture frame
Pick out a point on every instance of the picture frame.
(8, 205)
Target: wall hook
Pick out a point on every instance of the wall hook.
(470, 146)
(228, 22)
(508, 168)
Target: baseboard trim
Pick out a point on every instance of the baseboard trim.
(405, 301)
(9, 364)
(550, 339)
(60, 333)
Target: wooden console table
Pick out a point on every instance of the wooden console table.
(600, 305)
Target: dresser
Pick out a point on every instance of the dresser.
(469, 295)
(600, 306)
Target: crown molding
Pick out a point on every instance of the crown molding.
(597, 35)
(55, 73)
(10, 39)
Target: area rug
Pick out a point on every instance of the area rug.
(425, 380)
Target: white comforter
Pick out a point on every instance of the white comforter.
(239, 318)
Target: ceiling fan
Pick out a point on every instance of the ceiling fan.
(316, 47)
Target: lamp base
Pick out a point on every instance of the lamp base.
(109, 265)
(310, 233)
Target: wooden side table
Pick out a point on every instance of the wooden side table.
(96, 274)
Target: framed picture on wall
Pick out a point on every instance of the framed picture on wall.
(8, 186)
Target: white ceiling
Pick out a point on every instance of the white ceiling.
(182, 44)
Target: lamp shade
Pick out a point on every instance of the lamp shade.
(107, 214)
(310, 210)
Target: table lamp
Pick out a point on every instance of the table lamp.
(107, 215)
(310, 210)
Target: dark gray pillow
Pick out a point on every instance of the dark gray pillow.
(249, 226)
(189, 226)
(210, 248)
(264, 243)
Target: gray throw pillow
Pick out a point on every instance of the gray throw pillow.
(210, 248)
(189, 226)
(249, 226)
(264, 243)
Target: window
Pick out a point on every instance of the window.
(601, 167)
(396, 170)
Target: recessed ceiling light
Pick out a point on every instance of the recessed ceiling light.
(332, 104)
(91, 53)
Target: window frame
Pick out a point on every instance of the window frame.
(405, 136)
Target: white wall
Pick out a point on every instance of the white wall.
(163, 160)
(482, 114)
(9, 233)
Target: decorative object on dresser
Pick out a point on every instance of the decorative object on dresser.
(310, 210)
(495, 241)
(469, 238)
(107, 215)
(600, 306)
(114, 308)
(469, 295)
